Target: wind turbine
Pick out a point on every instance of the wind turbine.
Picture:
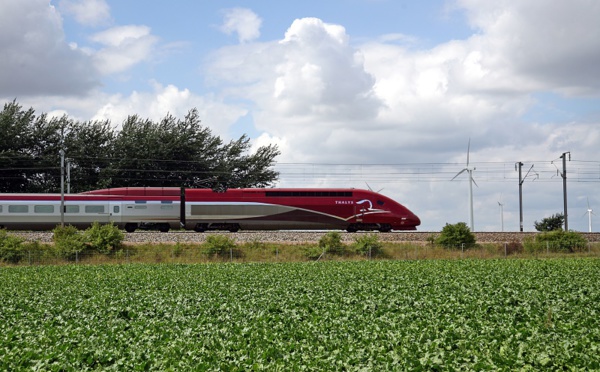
(589, 212)
(469, 171)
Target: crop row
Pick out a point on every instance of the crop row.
(368, 315)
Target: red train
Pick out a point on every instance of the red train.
(165, 208)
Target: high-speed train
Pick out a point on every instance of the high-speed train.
(165, 208)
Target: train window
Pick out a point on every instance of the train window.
(71, 209)
(140, 202)
(166, 201)
(166, 207)
(94, 209)
(380, 202)
(0, 209)
(18, 209)
(116, 209)
(43, 209)
(141, 207)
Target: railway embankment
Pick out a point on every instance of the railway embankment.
(297, 237)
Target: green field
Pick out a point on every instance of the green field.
(367, 315)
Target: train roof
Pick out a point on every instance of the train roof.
(176, 191)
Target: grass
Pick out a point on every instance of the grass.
(187, 253)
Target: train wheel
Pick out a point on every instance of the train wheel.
(164, 227)
(352, 228)
(385, 228)
(130, 227)
(200, 228)
(234, 228)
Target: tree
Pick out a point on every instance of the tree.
(183, 153)
(15, 147)
(170, 152)
(554, 222)
(456, 235)
(89, 150)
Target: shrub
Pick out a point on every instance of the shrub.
(11, 249)
(456, 235)
(514, 247)
(368, 243)
(554, 222)
(218, 244)
(312, 252)
(332, 243)
(561, 241)
(104, 238)
(68, 241)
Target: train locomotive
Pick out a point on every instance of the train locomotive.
(165, 208)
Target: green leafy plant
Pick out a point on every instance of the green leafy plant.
(417, 315)
(456, 235)
(104, 238)
(332, 243)
(556, 241)
(11, 249)
(368, 244)
(312, 252)
(68, 241)
(220, 245)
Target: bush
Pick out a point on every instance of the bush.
(218, 244)
(332, 243)
(554, 222)
(368, 243)
(312, 252)
(514, 247)
(104, 238)
(456, 235)
(68, 241)
(557, 241)
(11, 249)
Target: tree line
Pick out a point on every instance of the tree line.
(168, 152)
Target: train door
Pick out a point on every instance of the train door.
(358, 210)
(115, 212)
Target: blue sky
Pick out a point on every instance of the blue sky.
(382, 92)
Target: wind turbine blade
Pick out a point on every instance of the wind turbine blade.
(473, 179)
(370, 189)
(458, 174)
(588, 201)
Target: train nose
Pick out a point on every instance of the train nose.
(411, 220)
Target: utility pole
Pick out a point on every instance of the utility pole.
(519, 164)
(62, 188)
(564, 177)
(68, 176)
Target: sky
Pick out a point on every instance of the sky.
(391, 95)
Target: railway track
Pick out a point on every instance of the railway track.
(295, 237)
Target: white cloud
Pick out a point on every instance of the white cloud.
(169, 99)
(31, 32)
(87, 12)
(552, 44)
(244, 22)
(124, 47)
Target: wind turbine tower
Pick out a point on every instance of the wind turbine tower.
(501, 214)
(589, 212)
(469, 171)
